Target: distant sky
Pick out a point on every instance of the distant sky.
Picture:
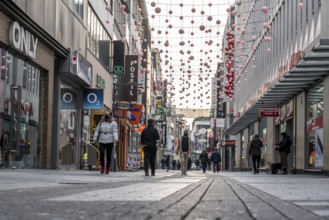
(186, 54)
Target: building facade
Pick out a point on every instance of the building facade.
(51, 60)
(280, 63)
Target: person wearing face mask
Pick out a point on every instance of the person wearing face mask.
(184, 150)
(106, 134)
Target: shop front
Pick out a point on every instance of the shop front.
(130, 117)
(75, 76)
(21, 86)
(26, 66)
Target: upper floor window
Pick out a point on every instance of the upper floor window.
(99, 41)
(78, 7)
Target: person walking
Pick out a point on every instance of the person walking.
(178, 165)
(216, 159)
(184, 150)
(284, 149)
(106, 134)
(255, 151)
(174, 163)
(149, 138)
(167, 162)
(204, 160)
(163, 163)
(197, 163)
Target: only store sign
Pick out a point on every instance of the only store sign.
(93, 98)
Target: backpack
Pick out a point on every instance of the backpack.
(185, 144)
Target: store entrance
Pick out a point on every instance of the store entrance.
(69, 128)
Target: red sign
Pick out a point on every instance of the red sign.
(268, 112)
(314, 124)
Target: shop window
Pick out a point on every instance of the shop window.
(21, 111)
(314, 127)
(99, 41)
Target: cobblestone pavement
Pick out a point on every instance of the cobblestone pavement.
(59, 194)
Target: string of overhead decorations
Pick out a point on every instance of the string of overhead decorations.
(188, 37)
(190, 34)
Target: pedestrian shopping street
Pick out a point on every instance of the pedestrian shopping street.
(80, 194)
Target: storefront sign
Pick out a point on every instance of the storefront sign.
(130, 77)
(123, 105)
(93, 99)
(22, 40)
(268, 112)
(82, 68)
(118, 57)
(228, 143)
(68, 99)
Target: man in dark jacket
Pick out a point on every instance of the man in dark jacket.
(284, 149)
(184, 150)
(215, 158)
(149, 138)
(204, 160)
(255, 150)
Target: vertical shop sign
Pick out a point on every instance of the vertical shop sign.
(221, 110)
(118, 57)
(130, 77)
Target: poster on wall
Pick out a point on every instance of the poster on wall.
(133, 161)
(319, 147)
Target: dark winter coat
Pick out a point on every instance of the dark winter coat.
(284, 145)
(203, 157)
(255, 148)
(167, 161)
(215, 157)
(149, 136)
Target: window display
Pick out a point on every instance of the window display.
(314, 126)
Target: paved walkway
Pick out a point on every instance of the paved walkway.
(49, 194)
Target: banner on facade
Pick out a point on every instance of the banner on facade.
(93, 99)
(130, 77)
(221, 109)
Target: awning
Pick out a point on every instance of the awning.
(312, 68)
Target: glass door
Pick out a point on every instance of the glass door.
(69, 155)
